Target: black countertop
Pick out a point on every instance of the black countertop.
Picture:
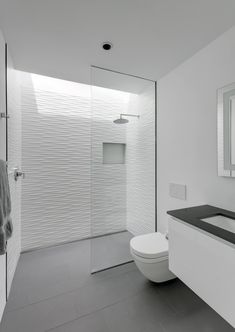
(193, 216)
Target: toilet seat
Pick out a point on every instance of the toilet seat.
(150, 253)
(153, 246)
(148, 260)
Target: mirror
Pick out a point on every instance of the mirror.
(226, 130)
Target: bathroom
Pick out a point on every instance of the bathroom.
(112, 137)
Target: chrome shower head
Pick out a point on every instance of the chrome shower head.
(121, 121)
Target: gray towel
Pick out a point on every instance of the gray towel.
(5, 208)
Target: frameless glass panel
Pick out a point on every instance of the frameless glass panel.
(122, 165)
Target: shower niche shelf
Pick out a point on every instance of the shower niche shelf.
(114, 153)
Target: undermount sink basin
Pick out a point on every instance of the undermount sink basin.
(222, 222)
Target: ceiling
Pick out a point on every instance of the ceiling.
(62, 38)
(116, 81)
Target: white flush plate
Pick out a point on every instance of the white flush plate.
(178, 191)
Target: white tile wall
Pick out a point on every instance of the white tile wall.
(14, 160)
(3, 157)
(108, 181)
(69, 193)
(56, 158)
(140, 159)
(57, 191)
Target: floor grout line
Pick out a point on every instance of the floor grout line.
(68, 292)
(128, 297)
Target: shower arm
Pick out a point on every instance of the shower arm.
(125, 114)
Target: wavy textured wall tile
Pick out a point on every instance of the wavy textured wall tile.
(140, 155)
(3, 157)
(14, 160)
(67, 184)
(57, 161)
(69, 194)
(108, 190)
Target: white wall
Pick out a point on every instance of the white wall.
(140, 158)
(68, 193)
(108, 185)
(14, 160)
(186, 129)
(56, 157)
(3, 157)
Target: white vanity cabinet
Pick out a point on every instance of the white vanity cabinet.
(206, 264)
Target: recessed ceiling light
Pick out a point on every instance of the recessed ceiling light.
(107, 46)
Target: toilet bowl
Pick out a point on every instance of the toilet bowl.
(150, 253)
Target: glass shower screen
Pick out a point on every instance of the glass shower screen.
(122, 165)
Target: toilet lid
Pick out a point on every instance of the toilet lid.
(151, 245)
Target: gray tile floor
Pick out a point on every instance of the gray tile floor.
(110, 250)
(53, 290)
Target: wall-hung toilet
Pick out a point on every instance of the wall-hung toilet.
(150, 253)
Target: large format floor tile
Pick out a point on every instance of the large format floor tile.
(108, 291)
(142, 312)
(110, 250)
(180, 297)
(53, 290)
(53, 271)
(47, 273)
(41, 316)
(94, 322)
(203, 319)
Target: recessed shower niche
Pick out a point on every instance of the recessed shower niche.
(114, 153)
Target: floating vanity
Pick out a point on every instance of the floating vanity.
(202, 255)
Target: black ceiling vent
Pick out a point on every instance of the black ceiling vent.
(107, 46)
